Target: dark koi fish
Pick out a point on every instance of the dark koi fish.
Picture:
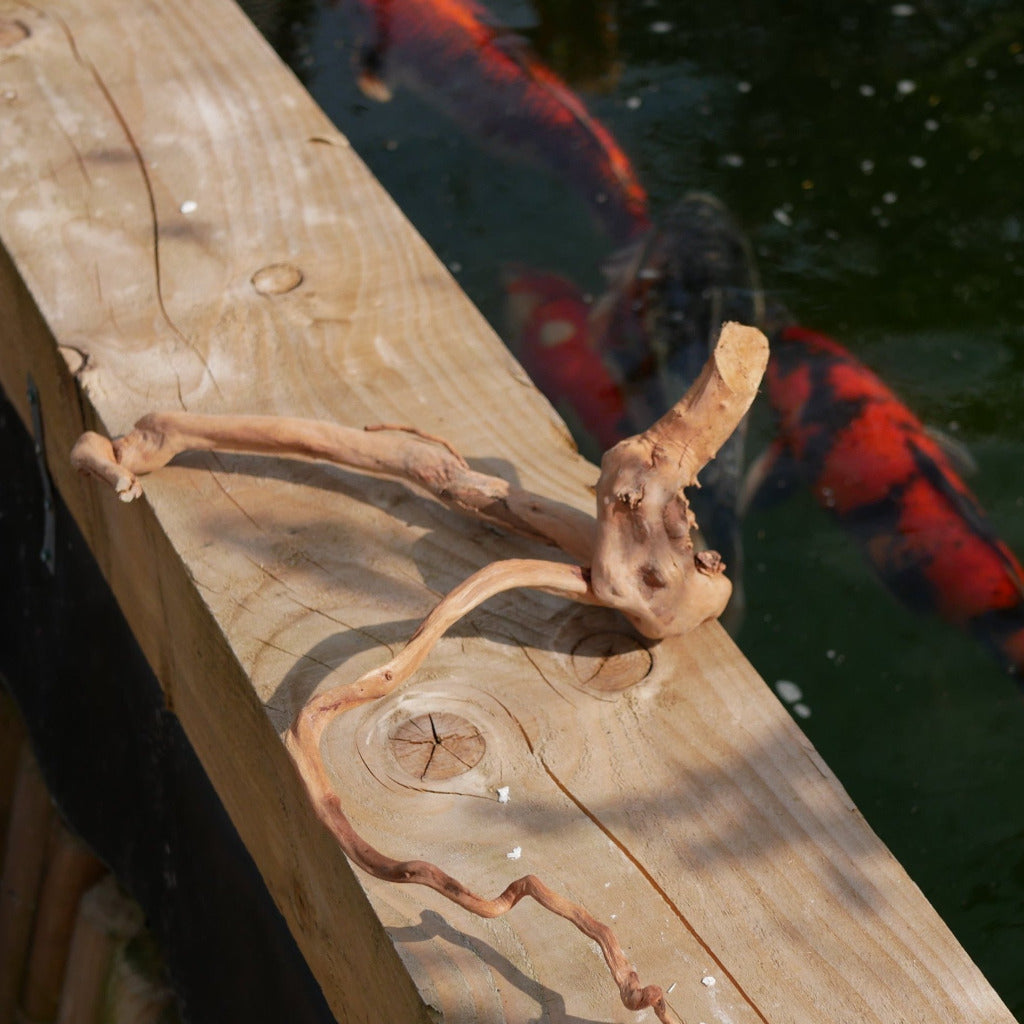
(485, 77)
(669, 295)
(885, 478)
(549, 331)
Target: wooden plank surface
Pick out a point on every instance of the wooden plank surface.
(156, 160)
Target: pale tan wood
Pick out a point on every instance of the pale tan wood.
(687, 806)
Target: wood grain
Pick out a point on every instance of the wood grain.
(182, 228)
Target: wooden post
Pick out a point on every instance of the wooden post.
(12, 735)
(24, 861)
(181, 227)
(70, 870)
(106, 920)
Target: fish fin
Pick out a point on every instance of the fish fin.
(622, 265)
(956, 451)
(771, 478)
(370, 77)
(967, 506)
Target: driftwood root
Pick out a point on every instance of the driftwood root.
(639, 552)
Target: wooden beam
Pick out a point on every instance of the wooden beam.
(183, 228)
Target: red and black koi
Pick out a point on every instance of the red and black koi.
(875, 468)
(485, 77)
(549, 332)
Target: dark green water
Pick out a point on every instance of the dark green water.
(874, 153)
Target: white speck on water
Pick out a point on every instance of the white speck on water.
(708, 981)
(866, 90)
(788, 691)
(917, 161)
(634, 102)
(889, 197)
(931, 125)
(830, 654)
(659, 28)
(867, 166)
(515, 853)
(801, 710)
(455, 267)
(905, 86)
(903, 10)
(743, 87)
(971, 62)
(189, 206)
(613, 917)
(503, 795)
(732, 160)
(391, 145)
(782, 217)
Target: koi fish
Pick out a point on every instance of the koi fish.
(669, 295)
(874, 466)
(549, 331)
(486, 78)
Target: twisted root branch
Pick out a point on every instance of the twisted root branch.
(639, 548)
(304, 738)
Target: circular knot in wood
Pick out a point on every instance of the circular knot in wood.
(610, 661)
(437, 746)
(12, 32)
(276, 279)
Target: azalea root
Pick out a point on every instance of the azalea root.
(639, 557)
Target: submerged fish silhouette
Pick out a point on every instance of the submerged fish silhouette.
(669, 295)
(873, 465)
(549, 331)
(486, 78)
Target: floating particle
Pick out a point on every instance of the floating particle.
(830, 654)
(788, 691)
(866, 90)
(801, 710)
(732, 160)
(917, 161)
(708, 981)
(867, 166)
(902, 10)
(659, 28)
(455, 267)
(668, 991)
(743, 87)
(889, 197)
(503, 795)
(391, 145)
(905, 86)
(807, 184)
(782, 217)
(971, 62)
(931, 125)
(634, 102)
(189, 206)
(515, 853)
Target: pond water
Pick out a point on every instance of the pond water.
(873, 154)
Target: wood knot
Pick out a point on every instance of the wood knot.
(437, 746)
(12, 32)
(276, 279)
(610, 661)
